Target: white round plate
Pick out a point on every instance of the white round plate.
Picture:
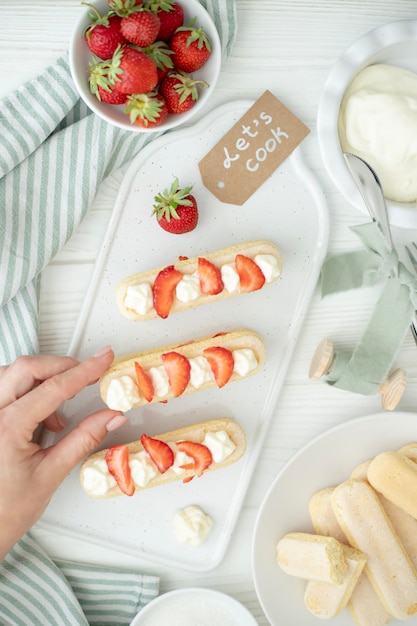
(326, 461)
(394, 43)
(182, 607)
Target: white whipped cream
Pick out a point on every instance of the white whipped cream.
(191, 525)
(97, 478)
(230, 277)
(220, 445)
(244, 361)
(139, 298)
(142, 468)
(200, 372)
(268, 265)
(122, 393)
(188, 289)
(378, 122)
(159, 379)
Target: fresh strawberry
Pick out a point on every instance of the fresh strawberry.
(210, 277)
(161, 56)
(250, 274)
(176, 209)
(132, 71)
(140, 28)
(180, 91)
(103, 35)
(117, 459)
(111, 96)
(124, 7)
(191, 47)
(144, 382)
(171, 16)
(221, 363)
(164, 290)
(159, 451)
(178, 369)
(200, 454)
(146, 109)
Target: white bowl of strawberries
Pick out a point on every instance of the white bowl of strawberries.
(145, 65)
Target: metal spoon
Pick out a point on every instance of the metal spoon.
(370, 189)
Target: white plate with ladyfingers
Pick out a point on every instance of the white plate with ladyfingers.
(313, 497)
(289, 210)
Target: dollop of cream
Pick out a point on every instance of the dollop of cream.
(269, 266)
(97, 479)
(244, 361)
(378, 122)
(230, 277)
(159, 379)
(191, 525)
(139, 298)
(219, 444)
(122, 393)
(188, 289)
(200, 371)
(142, 468)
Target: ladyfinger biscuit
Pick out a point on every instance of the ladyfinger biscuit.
(368, 529)
(395, 476)
(410, 451)
(329, 599)
(364, 603)
(312, 557)
(199, 280)
(223, 437)
(163, 373)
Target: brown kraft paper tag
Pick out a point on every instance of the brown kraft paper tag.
(252, 150)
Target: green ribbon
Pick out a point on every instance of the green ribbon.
(366, 369)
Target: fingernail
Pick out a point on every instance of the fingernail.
(102, 352)
(116, 422)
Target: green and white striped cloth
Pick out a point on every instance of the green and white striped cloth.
(54, 153)
(52, 162)
(36, 591)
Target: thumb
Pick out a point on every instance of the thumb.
(62, 457)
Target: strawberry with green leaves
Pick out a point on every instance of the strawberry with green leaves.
(133, 71)
(103, 35)
(180, 91)
(171, 16)
(140, 28)
(176, 209)
(191, 47)
(161, 56)
(147, 110)
(124, 7)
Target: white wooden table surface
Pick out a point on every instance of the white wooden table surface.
(289, 47)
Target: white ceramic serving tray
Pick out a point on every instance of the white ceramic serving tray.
(289, 209)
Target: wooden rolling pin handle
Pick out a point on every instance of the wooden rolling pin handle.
(391, 389)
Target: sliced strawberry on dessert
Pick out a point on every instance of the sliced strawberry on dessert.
(164, 290)
(144, 382)
(159, 451)
(210, 277)
(221, 363)
(200, 454)
(178, 369)
(117, 459)
(250, 274)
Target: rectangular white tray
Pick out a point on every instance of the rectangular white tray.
(290, 210)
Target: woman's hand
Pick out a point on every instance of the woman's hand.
(31, 390)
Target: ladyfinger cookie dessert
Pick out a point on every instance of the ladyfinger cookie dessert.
(160, 374)
(193, 281)
(395, 476)
(149, 462)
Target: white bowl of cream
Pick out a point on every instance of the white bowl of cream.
(367, 87)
